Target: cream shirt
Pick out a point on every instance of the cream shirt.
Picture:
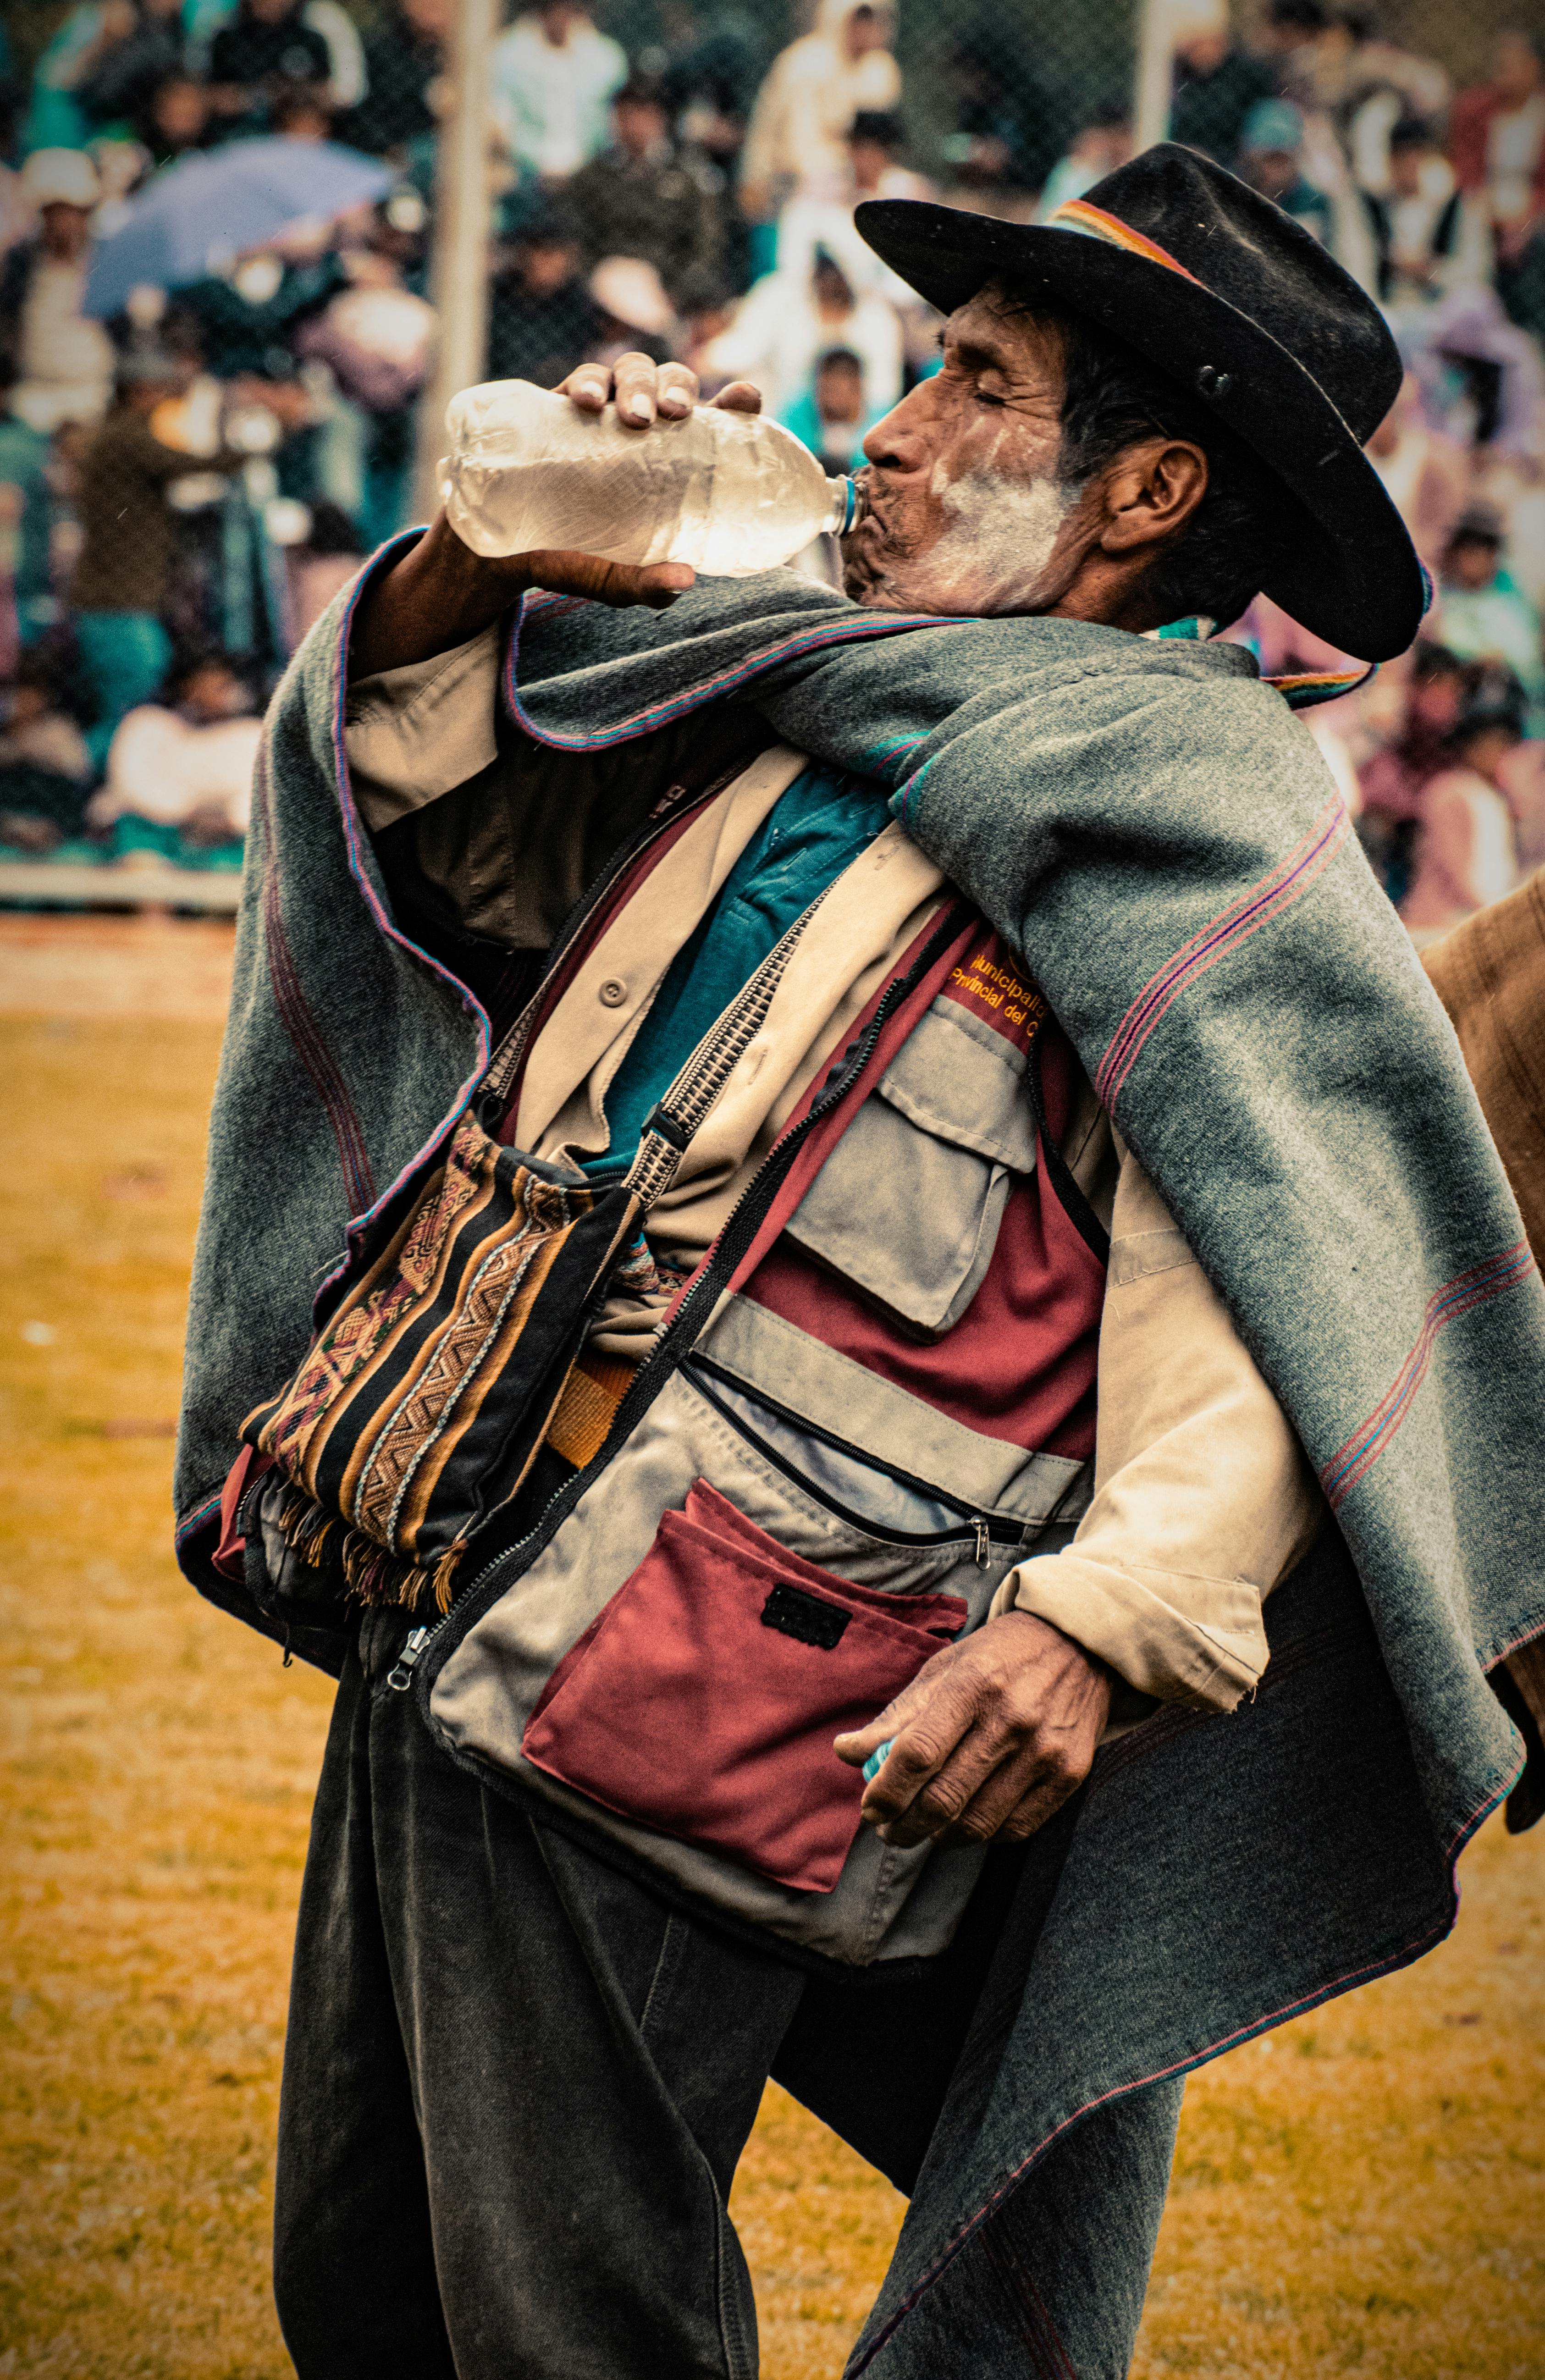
(1203, 1499)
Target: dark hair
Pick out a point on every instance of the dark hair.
(194, 660)
(843, 356)
(1113, 397)
(1413, 132)
(1430, 661)
(643, 90)
(1307, 15)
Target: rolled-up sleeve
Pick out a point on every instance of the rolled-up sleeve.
(1203, 1499)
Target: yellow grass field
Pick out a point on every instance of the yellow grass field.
(1362, 2192)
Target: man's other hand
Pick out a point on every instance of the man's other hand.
(990, 1737)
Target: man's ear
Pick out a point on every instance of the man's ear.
(1151, 492)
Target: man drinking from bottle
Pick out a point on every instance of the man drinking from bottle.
(1001, 1578)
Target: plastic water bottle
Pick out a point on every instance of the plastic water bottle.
(727, 493)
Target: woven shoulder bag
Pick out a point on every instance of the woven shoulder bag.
(423, 1400)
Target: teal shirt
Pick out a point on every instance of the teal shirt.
(823, 821)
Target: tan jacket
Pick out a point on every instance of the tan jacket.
(1203, 1497)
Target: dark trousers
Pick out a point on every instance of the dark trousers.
(516, 2087)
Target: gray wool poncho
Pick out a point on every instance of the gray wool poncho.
(1159, 841)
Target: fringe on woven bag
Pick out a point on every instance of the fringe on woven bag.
(371, 1575)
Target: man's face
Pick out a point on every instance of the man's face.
(66, 232)
(1436, 701)
(1472, 563)
(863, 32)
(1405, 170)
(270, 12)
(1203, 53)
(181, 112)
(1517, 73)
(433, 18)
(557, 19)
(212, 693)
(1271, 171)
(544, 269)
(839, 393)
(966, 511)
(639, 125)
(869, 161)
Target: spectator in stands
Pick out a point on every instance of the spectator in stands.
(1482, 378)
(122, 573)
(643, 196)
(1466, 855)
(46, 768)
(833, 416)
(542, 321)
(876, 138)
(376, 337)
(139, 44)
(1216, 83)
(1420, 224)
(1426, 475)
(1290, 38)
(553, 81)
(1008, 130)
(1497, 143)
(711, 130)
(1482, 614)
(405, 66)
(796, 142)
(1270, 153)
(246, 316)
(175, 119)
(1102, 144)
(790, 317)
(1367, 83)
(324, 560)
(265, 49)
(1394, 779)
(179, 771)
(57, 361)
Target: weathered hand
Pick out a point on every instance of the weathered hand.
(990, 1737)
(644, 390)
(439, 594)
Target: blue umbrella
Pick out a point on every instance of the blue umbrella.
(192, 219)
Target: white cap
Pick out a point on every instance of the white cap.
(61, 177)
(632, 291)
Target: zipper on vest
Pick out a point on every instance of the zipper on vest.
(975, 1529)
(400, 1677)
(740, 1229)
(490, 1105)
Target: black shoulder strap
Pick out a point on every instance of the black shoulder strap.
(1077, 1208)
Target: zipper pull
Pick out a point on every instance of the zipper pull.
(983, 1536)
(401, 1678)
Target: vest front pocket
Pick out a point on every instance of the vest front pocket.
(908, 1203)
(704, 1698)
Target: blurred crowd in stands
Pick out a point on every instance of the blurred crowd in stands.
(216, 219)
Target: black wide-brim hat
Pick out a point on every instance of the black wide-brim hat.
(1228, 295)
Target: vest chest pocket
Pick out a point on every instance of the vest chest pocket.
(908, 1203)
